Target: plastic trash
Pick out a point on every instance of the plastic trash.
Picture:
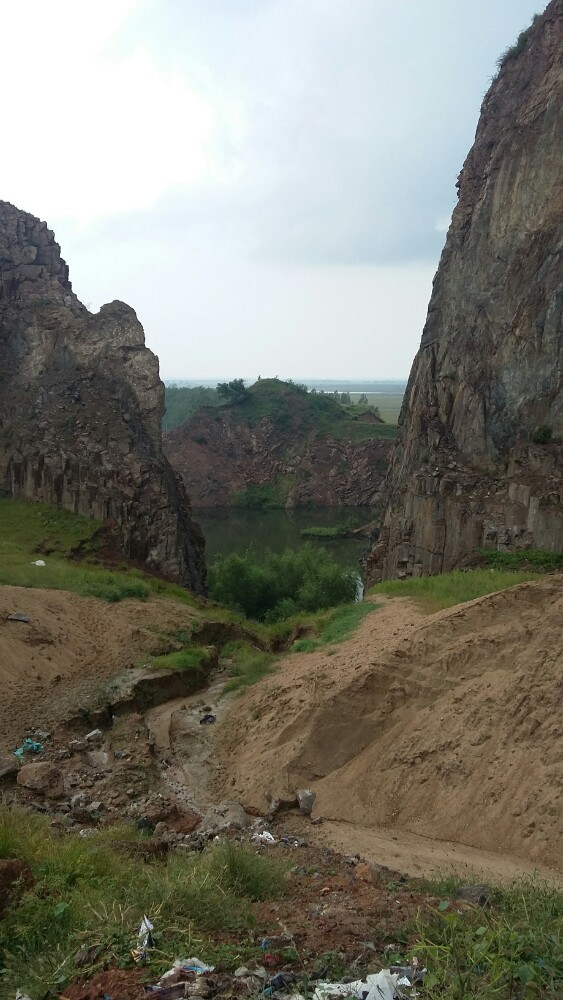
(28, 746)
(264, 838)
(206, 720)
(187, 965)
(18, 617)
(38, 562)
(22, 996)
(144, 939)
(383, 985)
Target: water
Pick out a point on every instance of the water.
(234, 529)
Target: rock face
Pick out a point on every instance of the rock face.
(473, 465)
(280, 441)
(81, 406)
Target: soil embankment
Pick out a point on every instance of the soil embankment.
(446, 727)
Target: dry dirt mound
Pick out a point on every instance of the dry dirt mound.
(447, 727)
(64, 655)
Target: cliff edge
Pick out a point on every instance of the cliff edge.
(477, 460)
(81, 406)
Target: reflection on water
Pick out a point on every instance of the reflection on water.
(234, 529)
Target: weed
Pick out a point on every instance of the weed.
(543, 434)
(245, 664)
(537, 560)
(447, 589)
(194, 658)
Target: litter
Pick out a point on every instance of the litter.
(206, 720)
(187, 965)
(264, 838)
(384, 985)
(38, 562)
(17, 617)
(144, 940)
(22, 996)
(28, 746)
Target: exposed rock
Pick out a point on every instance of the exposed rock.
(466, 470)
(278, 438)
(306, 799)
(42, 777)
(15, 878)
(479, 895)
(9, 768)
(81, 407)
(225, 816)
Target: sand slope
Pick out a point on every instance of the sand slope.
(449, 726)
(63, 657)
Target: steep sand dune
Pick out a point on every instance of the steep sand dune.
(449, 726)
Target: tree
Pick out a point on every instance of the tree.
(345, 397)
(234, 391)
(363, 400)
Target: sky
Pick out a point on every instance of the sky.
(267, 182)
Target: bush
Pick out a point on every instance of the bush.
(542, 435)
(273, 587)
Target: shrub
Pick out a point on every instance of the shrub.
(542, 435)
(273, 587)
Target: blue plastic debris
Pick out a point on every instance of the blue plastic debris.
(28, 746)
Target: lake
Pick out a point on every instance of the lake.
(234, 529)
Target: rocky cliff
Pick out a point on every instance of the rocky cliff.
(477, 462)
(280, 447)
(81, 405)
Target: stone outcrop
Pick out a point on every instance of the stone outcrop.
(278, 440)
(81, 405)
(478, 462)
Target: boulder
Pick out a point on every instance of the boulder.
(9, 768)
(42, 777)
(225, 816)
(306, 799)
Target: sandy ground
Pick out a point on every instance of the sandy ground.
(71, 647)
(432, 742)
(447, 728)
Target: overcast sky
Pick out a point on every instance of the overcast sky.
(267, 182)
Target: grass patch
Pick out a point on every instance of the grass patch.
(265, 496)
(448, 589)
(88, 893)
(336, 626)
(245, 664)
(194, 659)
(537, 560)
(318, 531)
(510, 950)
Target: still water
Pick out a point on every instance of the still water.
(234, 529)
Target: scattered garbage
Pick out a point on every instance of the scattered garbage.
(388, 984)
(38, 562)
(207, 719)
(28, 746)
(22, 996)
(264, 838)
(17, 617)
(187, 965)
(144, 940)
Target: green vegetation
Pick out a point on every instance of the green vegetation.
(234, 392)
(30, 530)
(245, 664)
(338, 626)
(510, 950)
(88, 894)
(265, 496)
(182, 400)
(543, 434)
(336, 531)
(537, 560)
(193, 658)
(520, 44)
(290, 405)
(276, 586)
(448, 589)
